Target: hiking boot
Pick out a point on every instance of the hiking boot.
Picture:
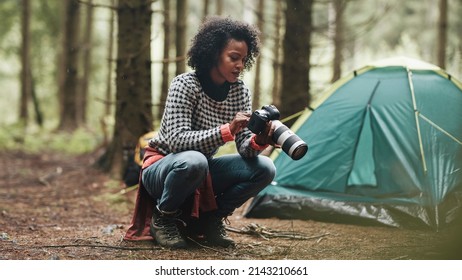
(164, 229)
(215, 232)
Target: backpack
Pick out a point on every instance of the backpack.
(135, 160)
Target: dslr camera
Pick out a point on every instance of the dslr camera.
(290, 143)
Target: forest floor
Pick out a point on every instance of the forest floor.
(61, 207)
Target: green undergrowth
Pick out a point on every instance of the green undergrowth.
(34, 140)
(80, 141)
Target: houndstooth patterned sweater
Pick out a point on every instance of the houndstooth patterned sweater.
(194, 121)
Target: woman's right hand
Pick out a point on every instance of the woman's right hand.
(239, 122)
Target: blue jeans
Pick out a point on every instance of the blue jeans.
(235, 179)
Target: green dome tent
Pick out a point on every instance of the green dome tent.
(385, 146)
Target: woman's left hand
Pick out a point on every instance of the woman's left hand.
(266, 136)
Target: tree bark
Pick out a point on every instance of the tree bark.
(26, 81)
(276, 91)
(166, 63)
(35, 101)
(219, 7)
(337, 38)
(205, 11)
(133, 116)
(257, 86)
(110, 68)
(87, 47)
(442, 33)
(68, 116)
(297, 48)
(181, 19)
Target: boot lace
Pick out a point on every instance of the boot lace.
(169, 226)
(219, 225)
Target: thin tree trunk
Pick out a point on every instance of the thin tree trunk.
(35, 101)
(337, 38)
(276, 92)
(68, 118)
(442, 33)
(26, 85)
(166, 62)
(181, 19)
(110, 69)
(219, 7)
(459, 32)
(61, 68)
(205, 11)
(87, 47)
(257, 86)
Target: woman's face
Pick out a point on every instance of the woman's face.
(230, 62)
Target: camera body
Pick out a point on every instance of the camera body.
(259, 118)
(290, 143)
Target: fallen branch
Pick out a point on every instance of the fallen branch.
(129, 189)
(265, 233)
(98, 246)
(47, 178)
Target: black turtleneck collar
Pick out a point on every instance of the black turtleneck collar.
(216, 92)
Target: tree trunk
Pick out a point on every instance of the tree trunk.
(337, 38)
(133, 116)
(459, 33)
(68, 116)
(257, 86)
(442, 33)
(181, 19)
(296, 68)
(276, 91)
(108, 95)
(219, 7)
(205, 11)
(87, 46)
(166, 62)
(26, 83)
(35, 102)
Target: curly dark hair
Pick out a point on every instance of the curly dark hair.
(212, 37)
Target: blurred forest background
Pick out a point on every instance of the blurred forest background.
(91, 75)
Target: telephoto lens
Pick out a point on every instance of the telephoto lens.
(290, 143)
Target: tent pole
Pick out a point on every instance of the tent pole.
(416, 114)
(440, 129)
